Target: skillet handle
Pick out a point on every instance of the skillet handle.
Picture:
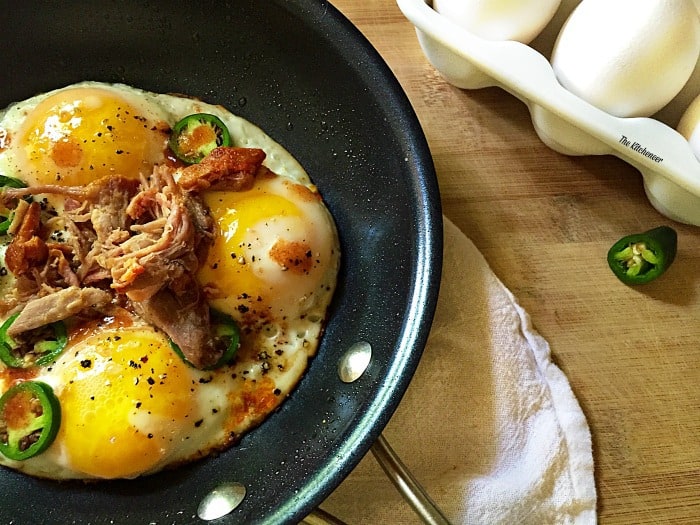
(406, 484)
(320, 517)
(402, 479)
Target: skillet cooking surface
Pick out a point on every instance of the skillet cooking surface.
(304, 74)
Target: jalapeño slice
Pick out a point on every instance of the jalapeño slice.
(195, 136)
(6, 217)
(30, 416)
(11, 182)
(39, 346)
(642, 257)
(226, 335)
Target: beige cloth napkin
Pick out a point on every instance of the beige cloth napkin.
(489, 425)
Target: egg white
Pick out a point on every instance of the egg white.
(276, 346)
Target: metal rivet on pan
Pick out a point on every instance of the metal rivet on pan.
(220, 501)
(355, 361)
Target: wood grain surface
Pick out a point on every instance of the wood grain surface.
(544, 222)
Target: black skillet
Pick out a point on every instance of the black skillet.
(303, 73)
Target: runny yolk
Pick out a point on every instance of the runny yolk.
(126, 403)
(81, 134)
(234, 263)
(273, 246)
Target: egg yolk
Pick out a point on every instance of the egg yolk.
(82, 134)
(270, 251)
(126, 403)
(230, 264)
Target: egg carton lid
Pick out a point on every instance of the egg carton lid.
(562, 120)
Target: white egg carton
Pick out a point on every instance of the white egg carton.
(563, 121)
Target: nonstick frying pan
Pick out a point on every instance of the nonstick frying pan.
(302, 72)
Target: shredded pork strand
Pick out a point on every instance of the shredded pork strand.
(57, 307)
(136, 240)
(162, 245)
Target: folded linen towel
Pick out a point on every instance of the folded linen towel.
(489, 425)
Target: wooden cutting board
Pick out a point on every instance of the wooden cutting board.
(544, 222)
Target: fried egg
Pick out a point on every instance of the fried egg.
(79, 134)
(130, 405)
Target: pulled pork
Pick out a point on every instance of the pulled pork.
(57, 306)
(231, 169)
(27, 250)
(139, 243)
(164, 243)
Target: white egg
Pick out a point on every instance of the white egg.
(130, 405)
(628, 57)
(689, 126)
(520, 20)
